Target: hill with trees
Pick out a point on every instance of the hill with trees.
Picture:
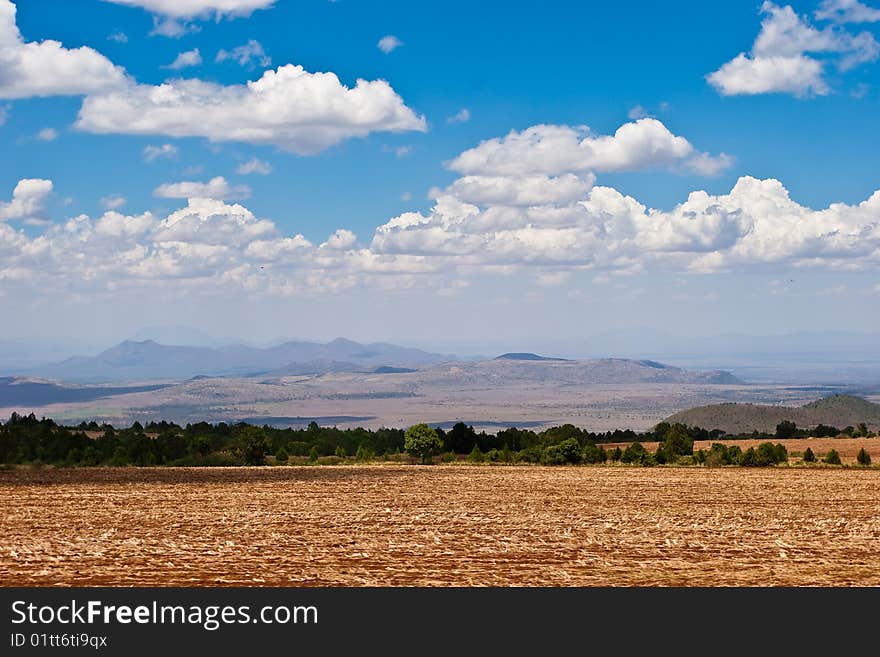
(835, 411)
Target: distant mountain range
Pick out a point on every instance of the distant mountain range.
(149, 360)
(838, 411)
(525, 356)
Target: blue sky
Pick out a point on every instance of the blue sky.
(799, 108)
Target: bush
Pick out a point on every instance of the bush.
(364, 453)
(700, 457)
(832, 457)
(313, 454)
(809, 456)
(476, 456)
(636, 453)
(594, 454)
(615, 454)
(448, 457)
(565, 453)
(863, 457)
(281, 456)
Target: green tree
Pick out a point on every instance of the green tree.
(863, 457)
(422, 442)
(809, 456)
(253, 445)
(313, 454)
(832, 457)
(476, 456)
(281, 456)
(364, 453)
(786, 429)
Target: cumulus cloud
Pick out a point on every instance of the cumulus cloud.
(113, 202)
(779, 61)
(389, 43)
(211, 245)
(185, 59)
(28, 200)
(756, 223)
(289, 107)
(173, 17)
(154, 152)
(47, 68)
(216, 188)
(554, 149)
(847, 11)
(249, 55)
(254, 165)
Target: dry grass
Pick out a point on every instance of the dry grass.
(443, 525)
(848, 448)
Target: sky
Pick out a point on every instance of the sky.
(441, 174)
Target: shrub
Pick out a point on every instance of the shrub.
(700, 457)
(448, 457)
(863, 457)
(636, 453)
(832, 457)
(809, 456)
(364, 453)
(281, 456)
(786, 429)
(594, 454)
(615, 454)
(565, 453)
(476, 456)
(313, 454)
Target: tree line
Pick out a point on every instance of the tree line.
(25, 439)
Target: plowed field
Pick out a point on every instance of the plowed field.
(442, 525)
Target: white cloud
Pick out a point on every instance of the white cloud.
(779, 63)
(289, 107)
(118, 37)
(341, 240)
(847, 11)
(173, 17)
(154, 152)
(209, 245)
(705, 164)
(47, 68)
(254, 165)
(521, 191)
(250, 54)
(216, 188)
(47, 134)
(403, 151)
(389, 43)
(552, 149)
(4, 114)
(406, 197)
(637, 112)
(28, 200)
(185, 59)
(744, 75)
(113, 202)
(461, 116)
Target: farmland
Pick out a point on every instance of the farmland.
(452, 525)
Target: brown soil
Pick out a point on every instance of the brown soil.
(440, 526)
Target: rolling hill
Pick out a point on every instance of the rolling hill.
(838, 410)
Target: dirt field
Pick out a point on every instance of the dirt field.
(442, 525)
(848, 448)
